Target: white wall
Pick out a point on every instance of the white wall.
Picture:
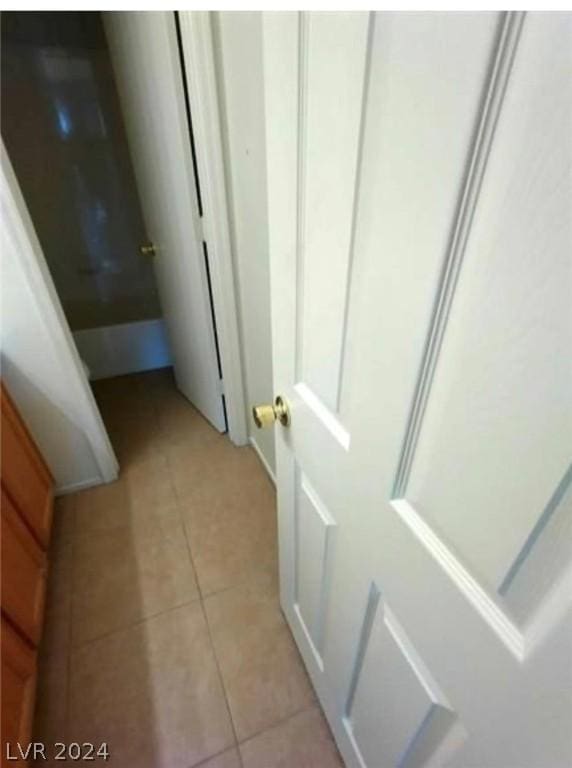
(40, 367)
(238, 50)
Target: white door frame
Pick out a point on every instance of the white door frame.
(17, 220)
(197, 41)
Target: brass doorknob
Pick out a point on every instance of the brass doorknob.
(266, 415)
(148, 249)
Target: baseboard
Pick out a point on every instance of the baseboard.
(116, 350)
(83, 485)
(263, 461)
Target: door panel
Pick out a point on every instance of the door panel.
(24, 473)
(18, 689)
(508, 321)
(394, 707)
(315, 529)
(421, 330)
(144, 52)
(23, 573)
(330, 115)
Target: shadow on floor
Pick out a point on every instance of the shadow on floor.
(164, 637)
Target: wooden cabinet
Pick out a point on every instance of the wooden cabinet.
(26, 519)
(25, 475)
(18, 687)
(23, 573)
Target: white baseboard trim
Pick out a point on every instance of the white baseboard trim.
(116, 350)
(83, 485)
(263, 461)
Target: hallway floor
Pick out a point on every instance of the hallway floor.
(164, 637)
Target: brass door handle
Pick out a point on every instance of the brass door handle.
(266, 415)
(148, 249)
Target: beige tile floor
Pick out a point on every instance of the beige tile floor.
(164, 636)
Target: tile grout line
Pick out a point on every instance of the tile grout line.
(283, 720)
(219, 671)
(314, 706)
(183, 526)
(243, 580)
(204, 597)
(132, 624)
(159, 452)
(214, 757)
(223, 686)
(217, 664)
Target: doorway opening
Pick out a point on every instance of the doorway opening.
(64, 130)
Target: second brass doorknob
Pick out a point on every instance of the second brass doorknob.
(266, 415)
(148, 249)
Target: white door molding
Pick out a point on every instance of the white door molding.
(196, 37)
(18, 226)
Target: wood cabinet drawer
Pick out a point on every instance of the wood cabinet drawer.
(18, 687)
(23, 570)
(25, 474)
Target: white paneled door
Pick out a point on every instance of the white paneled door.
(145, 56)
(420, 237)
